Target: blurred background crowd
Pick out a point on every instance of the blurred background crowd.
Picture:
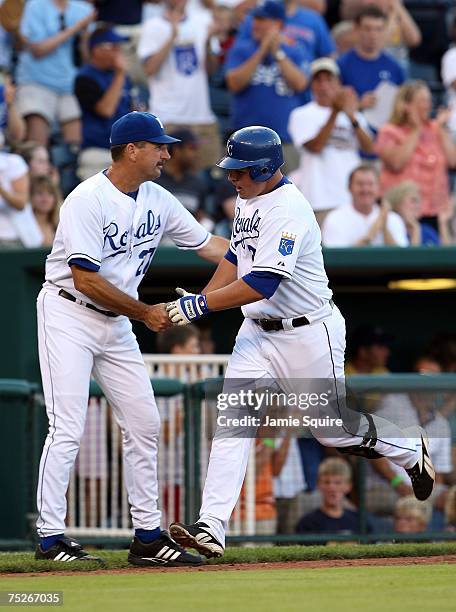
(362, 93)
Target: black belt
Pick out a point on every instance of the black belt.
(277, 324)
(70, 297)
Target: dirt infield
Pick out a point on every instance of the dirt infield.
(324, 563)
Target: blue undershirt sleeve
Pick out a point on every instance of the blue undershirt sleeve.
(231, 257)
(265, 283)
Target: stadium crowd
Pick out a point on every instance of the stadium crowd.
(365, 109)
(367, 115)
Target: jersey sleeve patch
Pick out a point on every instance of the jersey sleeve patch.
(286, 243)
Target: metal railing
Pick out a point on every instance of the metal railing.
(97, 498)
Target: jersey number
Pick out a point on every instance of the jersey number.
(146, 257)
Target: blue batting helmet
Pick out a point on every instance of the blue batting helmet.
(258, 148)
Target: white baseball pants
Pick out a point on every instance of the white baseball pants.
(75, 343)
(314, 351)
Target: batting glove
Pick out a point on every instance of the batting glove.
(188, 308)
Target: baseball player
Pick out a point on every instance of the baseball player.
(292, 330)
(110, 227)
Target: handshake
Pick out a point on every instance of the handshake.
(187, 308)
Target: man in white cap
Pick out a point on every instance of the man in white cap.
(328, 132)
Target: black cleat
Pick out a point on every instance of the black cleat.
(163, 551)
(66, 550)
(197, 536)
(422, 474)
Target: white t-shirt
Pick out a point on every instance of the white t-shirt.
(291, 479)
(345, 226)
(448, 77)
(105, 230)
(16, 224)
(323, 177)
(179, 90)
(277, 232)
(398, 408)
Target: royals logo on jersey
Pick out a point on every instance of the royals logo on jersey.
(287, 242)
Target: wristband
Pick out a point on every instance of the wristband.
(355, 124)
(269, 442)
(396, 480)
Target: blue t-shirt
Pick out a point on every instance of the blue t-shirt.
(364, 75)
(319, 522)
(267, 100)
(310, 32)
(41, 20)
(90, 85)
(306, 27)
(429, 236)
(122, 12)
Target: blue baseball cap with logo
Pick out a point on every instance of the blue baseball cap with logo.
(104, 35)
(136, 127)
(270, 9)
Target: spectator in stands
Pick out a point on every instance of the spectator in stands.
(405, 200)
(367, 66)
(328, 133)
(173, 49)
(11, 123)
(344, 36)
(46, 200)
(180, 177)
(126, 15)
(411, 515)
(369, 348)
(18, 226)
(414, 147)
(184, 340)
(37, 158)
(448, 74)
(289, 482)
(384, 482)
(103, 90)
(363, 222)
(265, 76)
(302, 26)
(402, 32)
(179, 341)
(224, 205)
(450, 509)
(333, 516)
(46, 67)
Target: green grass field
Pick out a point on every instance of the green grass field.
(429, 588)
(399, 588)
(117, 559)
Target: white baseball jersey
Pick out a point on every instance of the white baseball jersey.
(277, 232)
(108, 231)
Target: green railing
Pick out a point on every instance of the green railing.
(23, 426)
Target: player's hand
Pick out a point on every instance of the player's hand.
(188, 308)
(157, 318)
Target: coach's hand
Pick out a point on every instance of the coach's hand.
(188, 308)
(157, 318)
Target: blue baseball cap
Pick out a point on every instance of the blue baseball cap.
(136, 126)
(105, 35)
(270, 9)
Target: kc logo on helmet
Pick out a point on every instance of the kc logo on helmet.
(229, 148)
